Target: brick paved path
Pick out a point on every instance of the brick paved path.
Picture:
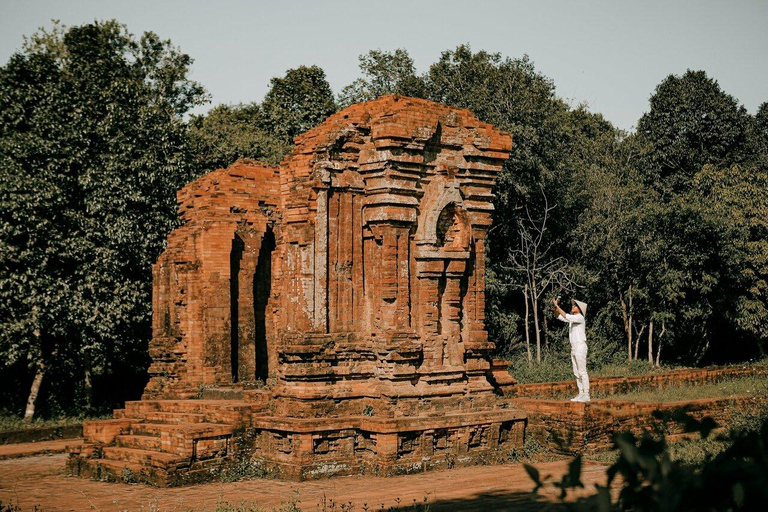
(13, 451)
(40, 481)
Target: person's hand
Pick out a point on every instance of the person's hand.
(554, 302)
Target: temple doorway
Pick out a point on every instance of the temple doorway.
(250, 288)
(262, 287)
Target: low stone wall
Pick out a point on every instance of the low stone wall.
(33, 435)
(573, 428)
(616, 385)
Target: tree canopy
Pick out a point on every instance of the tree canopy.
(94, 146)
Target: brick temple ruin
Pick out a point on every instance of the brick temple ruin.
(326, 316)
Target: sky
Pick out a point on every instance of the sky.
(610, 54)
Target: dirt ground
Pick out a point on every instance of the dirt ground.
(40, 482)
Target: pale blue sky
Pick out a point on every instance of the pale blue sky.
(610, 54)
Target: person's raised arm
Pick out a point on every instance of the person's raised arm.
(559, 313)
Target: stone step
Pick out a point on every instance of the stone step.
(143, 457)
(142, 442)
(223, 394)
(119, 466)
(119, 414)
(173, 417)
(148, 429)
(113, 470)
(230, 411)
(189, 429)
(117, 471)
(104, 431)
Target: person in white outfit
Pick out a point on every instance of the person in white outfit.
(578, 336)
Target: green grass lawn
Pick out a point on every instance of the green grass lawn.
(10, 422)
(753, 385)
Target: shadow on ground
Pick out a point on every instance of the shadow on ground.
(486, 501)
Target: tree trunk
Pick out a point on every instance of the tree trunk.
(87, 382)
(527, 332)
(637, 341)
(535, 305)
(650, 342)
(34, 391)
(626, 313)
(661, 336)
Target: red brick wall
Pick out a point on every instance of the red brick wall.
(191, 280)
(377, 278)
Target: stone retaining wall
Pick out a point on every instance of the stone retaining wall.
(33, 435)
(617, 385)
(573, 428)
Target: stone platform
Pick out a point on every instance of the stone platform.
(178, 442)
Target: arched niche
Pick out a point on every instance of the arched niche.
(452, 230)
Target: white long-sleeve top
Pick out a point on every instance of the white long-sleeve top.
(577, 332)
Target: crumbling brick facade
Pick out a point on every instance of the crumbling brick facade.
(204, 314)
(376, 224)
(343, 293)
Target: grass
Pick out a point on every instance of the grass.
(753, 385)
(556, 366)
(10, 422)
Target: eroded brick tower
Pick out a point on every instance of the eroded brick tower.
(337, 300)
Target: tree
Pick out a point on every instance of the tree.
(297, 102)
(93, 149)
(691, 123)
(542, 272)
(384, 73)
(229, 132)
(736, 201)
(761, 125)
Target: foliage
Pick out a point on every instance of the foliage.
(93, 147)
(384, 73)
(297, 102)
(230, 132)
(603, 361)
(673, 230)
(761, 128)
(736, 202)
(294, 103)
(649, 479)
(692, 123)
(13, 422)
(754, 385)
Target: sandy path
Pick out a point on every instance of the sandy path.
(40, 481)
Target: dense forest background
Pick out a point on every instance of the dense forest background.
(664, 231)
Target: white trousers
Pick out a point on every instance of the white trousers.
(579, 360)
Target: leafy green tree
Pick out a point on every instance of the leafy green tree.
(609, 204)
(297, 102)
(691, 123)
(761, 125)
(736, 199)
(384, 73)
(229, 132)
(94, 147)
